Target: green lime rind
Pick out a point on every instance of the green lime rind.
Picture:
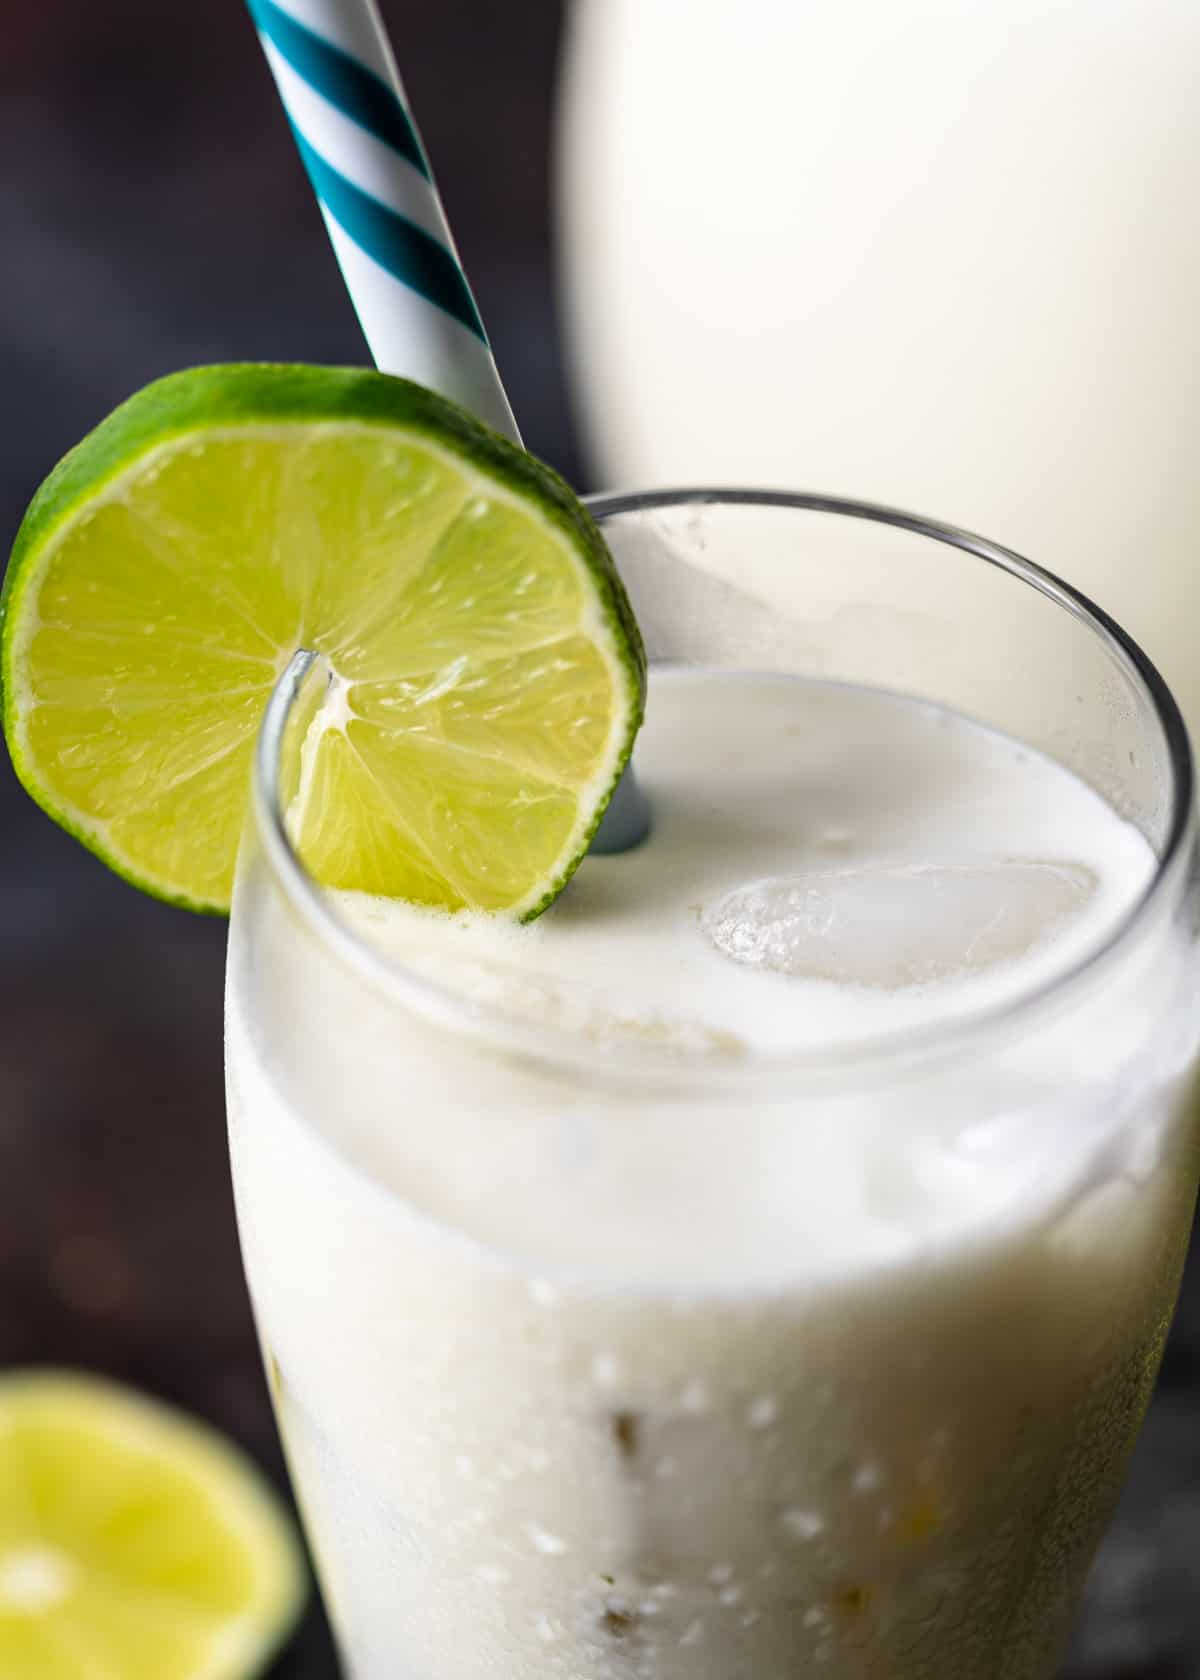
(200, 400)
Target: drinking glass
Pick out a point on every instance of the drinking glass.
(553, 1404)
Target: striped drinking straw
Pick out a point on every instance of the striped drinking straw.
(343, 97)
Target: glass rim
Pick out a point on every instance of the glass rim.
(623, 1060)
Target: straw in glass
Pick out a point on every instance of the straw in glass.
(343, 97)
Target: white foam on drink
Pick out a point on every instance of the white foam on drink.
(827, 863)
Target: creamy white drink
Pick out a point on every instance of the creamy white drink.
(634, 1311)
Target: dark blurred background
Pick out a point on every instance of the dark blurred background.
(153, 214)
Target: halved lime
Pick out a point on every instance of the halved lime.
(134, 1543)
(486, 673)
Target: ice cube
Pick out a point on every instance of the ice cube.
(901, 925)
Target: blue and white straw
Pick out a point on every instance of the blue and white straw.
(343, 97)
(342, 94)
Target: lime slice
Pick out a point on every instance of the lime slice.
(485, 674)
(134, 1544)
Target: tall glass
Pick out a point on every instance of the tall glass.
(535, 1428)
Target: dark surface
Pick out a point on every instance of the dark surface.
(152, 215)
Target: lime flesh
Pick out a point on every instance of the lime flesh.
(134, 1543)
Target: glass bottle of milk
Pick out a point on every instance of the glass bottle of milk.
(942, 255)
